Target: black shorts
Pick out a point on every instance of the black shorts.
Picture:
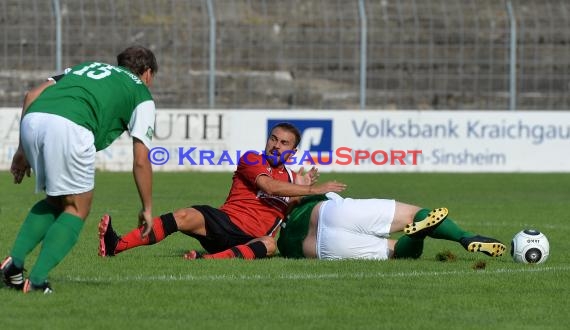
(221, 232)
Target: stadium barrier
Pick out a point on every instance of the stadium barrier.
(345, 141)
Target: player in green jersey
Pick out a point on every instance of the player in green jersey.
(64, 122)
(331, 227)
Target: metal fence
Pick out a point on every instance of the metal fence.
(313, 54)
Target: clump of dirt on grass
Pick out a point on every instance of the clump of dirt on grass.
(479, 265)
(445, 256)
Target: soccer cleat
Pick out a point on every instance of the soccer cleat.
(30, 287)
(420, 228)
(193, 255)
(487, 245)
(12, 276)
(108, 239)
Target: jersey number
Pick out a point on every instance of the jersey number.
(95, 70)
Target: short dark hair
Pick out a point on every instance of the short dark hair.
(138, 59)
(290, 128)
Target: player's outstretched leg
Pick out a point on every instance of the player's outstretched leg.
(487, 245)
(259, 248)
(449, 230)
(422, 227)
(110, 243)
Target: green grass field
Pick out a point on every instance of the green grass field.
(153, 287)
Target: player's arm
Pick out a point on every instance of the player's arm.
(281, 188)
(305, 184)
(142, 172)
(141, 128)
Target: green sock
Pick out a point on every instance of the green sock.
(37, 223)
(411, 247)
(59, 240)
(408, 247)
(450, 231)
(421, 214)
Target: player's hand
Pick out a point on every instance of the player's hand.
(302, 178)
(146, 221)
(20, 166)
(313, 174)
(330, 186)
(307, 178)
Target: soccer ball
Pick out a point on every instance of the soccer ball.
(530, 246)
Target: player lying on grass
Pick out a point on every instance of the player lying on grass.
(245, 225)
(331, 227)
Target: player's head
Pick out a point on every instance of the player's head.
(139, 60)
(282, 143)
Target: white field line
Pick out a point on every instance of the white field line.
(545, 227)
(309, 276)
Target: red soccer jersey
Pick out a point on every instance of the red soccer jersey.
(251, 209)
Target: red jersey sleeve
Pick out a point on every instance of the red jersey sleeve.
(250, 167)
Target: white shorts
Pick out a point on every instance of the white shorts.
(354, 228)
(60, 152)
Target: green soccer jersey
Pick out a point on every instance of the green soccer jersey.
(291, 237)
(103, 98)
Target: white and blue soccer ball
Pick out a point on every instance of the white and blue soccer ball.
(530, 246)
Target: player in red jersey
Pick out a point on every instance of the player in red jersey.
(245, 225)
